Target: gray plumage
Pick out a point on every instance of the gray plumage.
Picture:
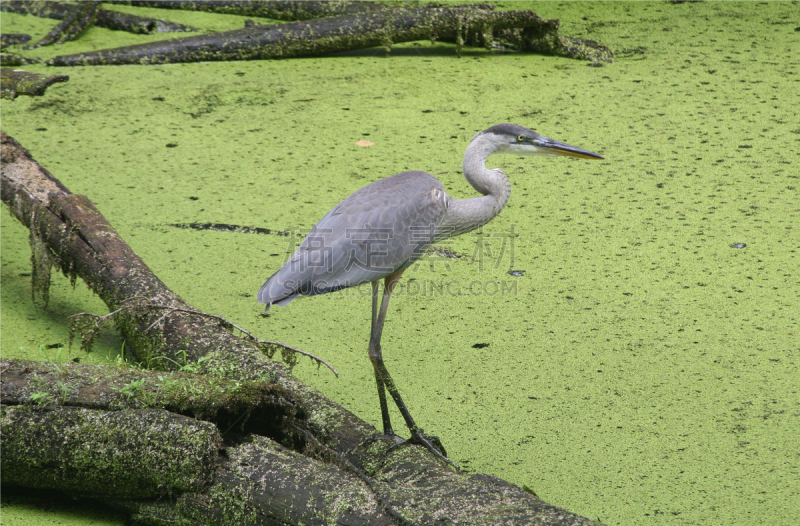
(381, 229)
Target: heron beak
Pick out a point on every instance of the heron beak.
(550, 147)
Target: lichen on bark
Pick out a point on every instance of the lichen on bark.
(134, 454)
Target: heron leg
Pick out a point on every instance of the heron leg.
(384, 379)
(387, 423)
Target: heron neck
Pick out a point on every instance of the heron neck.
(464, 215)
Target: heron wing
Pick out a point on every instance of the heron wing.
(376, 231)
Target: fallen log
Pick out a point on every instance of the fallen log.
(115, 388)
(328, 35)
(68, 232)
(290, 456)
(125, 456)
(133, 454)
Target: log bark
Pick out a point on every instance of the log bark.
(133, 454)
(288, 454)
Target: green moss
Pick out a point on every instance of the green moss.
(132, 454)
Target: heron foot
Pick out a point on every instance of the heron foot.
(431, 443)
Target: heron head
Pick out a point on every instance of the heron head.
(510, 138)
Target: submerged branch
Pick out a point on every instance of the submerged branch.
(15, 82)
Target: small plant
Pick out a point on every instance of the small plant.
(58, 367)
(41, 398)
(193, 367)
(121, 357)
(186, 367)
(132, 389)
(167, 381)
(65, 390)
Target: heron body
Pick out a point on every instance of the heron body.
(380, 230)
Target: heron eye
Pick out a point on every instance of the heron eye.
(520, 138)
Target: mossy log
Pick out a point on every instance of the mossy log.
(133, 454)
(288, 455)
(118, 387)
(327, 35)
(106, 18)
(85, 430)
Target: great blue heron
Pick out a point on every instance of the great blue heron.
(381, 229)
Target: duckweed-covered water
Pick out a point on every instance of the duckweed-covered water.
(640, 366)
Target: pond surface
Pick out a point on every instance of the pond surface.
(622, 339)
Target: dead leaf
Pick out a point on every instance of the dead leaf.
(365, 143)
